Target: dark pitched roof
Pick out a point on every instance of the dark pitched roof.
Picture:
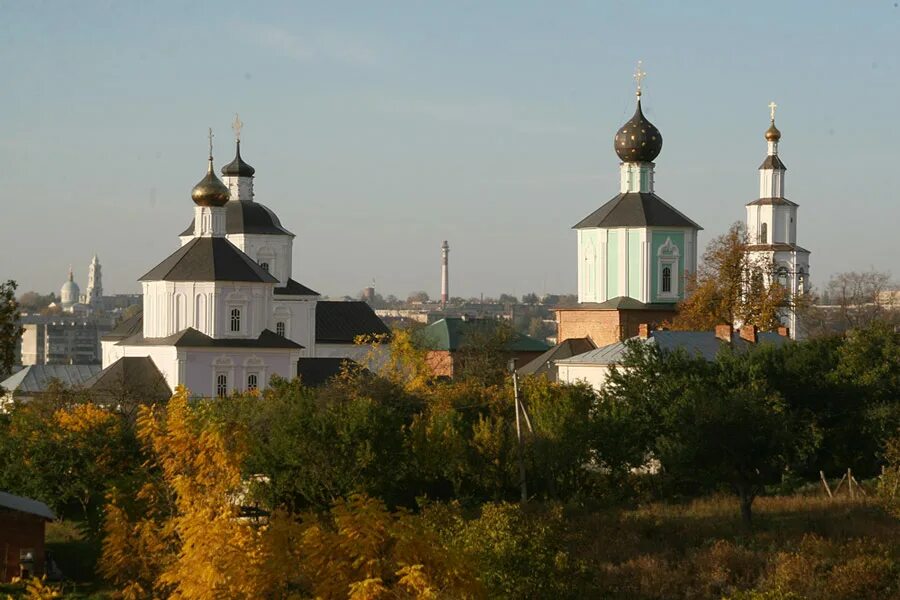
(191, 338)
(134, 376)
(636, 209)
(127, 327)
(544, 364)
(248, 217)
(452, 333)
(772, 201)
(341, 322)
(314, 372)
(776, 248)
(26, 505)
(295, 289)
(619, 303)
(208, 259)
(772, 162)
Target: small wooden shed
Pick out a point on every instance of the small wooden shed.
(22, 522)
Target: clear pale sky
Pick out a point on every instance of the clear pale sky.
(378, 129)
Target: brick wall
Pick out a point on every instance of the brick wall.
(20, 531)
(606, 326)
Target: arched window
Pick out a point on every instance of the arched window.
(764, 233)
(667, 279)
(252, 381)
(265, 266)
(235, 319)
(279, 328)
(222, 385)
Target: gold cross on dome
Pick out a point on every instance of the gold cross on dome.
(210, 141)
(639, 75)
(236, 126)
(772, 107)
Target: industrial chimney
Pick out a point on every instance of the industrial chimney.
(445, 274)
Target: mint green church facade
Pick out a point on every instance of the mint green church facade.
(636, 245)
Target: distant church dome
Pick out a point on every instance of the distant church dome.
(638, 140)
(210, 191)
(237, 167)
(69, 293)
(772, 133)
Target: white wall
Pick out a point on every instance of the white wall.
(276, 250)
(201, 366)
(299, 317)
(172, 306)
(593, 375)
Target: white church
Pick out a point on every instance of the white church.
(222, 313)
(772, 227)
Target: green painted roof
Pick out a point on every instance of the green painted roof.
(451, 334)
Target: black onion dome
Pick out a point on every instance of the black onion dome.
(210, 191)
(237, 167)
(638, 140)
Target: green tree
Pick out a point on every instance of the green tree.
(709, 423)
(10, 330)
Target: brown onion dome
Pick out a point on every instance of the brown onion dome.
(772, 133)
(237, 167)
(210, 191)
(638, 140)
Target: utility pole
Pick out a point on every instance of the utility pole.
(521, 449)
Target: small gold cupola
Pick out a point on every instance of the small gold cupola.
(210, 191)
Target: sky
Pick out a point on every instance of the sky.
(379, 129)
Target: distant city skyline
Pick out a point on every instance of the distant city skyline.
(379, 130)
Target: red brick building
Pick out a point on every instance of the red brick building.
(22, 522)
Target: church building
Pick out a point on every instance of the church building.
(772, 228)
(222, 313)
(634, 252)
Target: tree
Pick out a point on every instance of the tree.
(179, 532)
(419, 297)
(65, 452)
(507, 299)
(708, 423)
(530, 298)
(361, 551)
(853, 300)
(10, 330)
(730, 287)
(35, 301)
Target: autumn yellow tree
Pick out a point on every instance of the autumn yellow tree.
(362, 551)
(730, 286)
(186, 538)
(181, 533)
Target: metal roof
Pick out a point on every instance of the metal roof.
(294, 288)
(36, 378)
(248, 217)
(545, 363)
(191, 338)
(636, 209)
(341, 322)
(26, 505)
(703, 344)
(451, 333)
(209, 259)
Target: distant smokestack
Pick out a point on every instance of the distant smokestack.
(445, 274)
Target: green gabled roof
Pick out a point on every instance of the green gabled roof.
(452, 333)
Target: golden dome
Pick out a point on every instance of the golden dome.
(772, 133)
(210, 191)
